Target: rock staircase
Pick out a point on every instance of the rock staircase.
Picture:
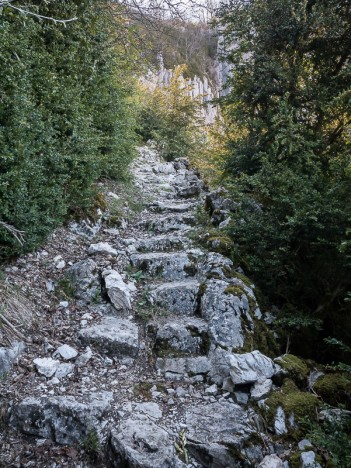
(173, 391)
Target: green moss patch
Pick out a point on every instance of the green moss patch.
(296, 367)
(293, 401)
(334, 389)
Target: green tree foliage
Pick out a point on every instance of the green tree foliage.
(289, 96)
(65, 115)
(171, 117)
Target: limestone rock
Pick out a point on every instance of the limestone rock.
(180, 368)
(213, 429)
(226, 313)
(308, 460)
(261, 390)
(215, 265)
(250, 368)
(85, 280)
(113, 336)
(102, 248)
(117, 290)
(66, 352)
(171, 266)
(9, 355)
(46, 366)
(188, 336)
(177, 297)
(177, 222)
(161, 243)
(219, 200)
(279, 422)
(271, 461)
(64, 370)
(62, 419)
(139, 443)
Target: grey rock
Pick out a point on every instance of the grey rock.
(116, 337)
(226, 314)
(175, 222)
(271, 461)
(117, 290)
(212, 390)
(212, 429)
(175, 207)
(179, 368)
(279, 422)
(151, 409)
(313, 377)
(64, 370)
(46, 366)
(308, 460)
(183, 335)
(85, 280)
(84, 358)
(215, 264)
(219, 200)
(66, 352)
(171, 266)
(9, 355)
(139, 443)
(303, 444)
(261, 390)
(178, 297)
(62, 419)
(161, 243)
(250, 368)
(241, 398)
(102, 248)
(165, 168)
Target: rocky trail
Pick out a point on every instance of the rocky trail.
(140, 347)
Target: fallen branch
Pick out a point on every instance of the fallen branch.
(8, 4)
(19, 235)
(13, 328)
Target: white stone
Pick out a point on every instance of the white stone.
(64, 370)
(64, 304)
(117, 290)
(46, 366)
(271, 461)
(250, 367)
(303, 444)
(279, 422)
(213, 390)
(102, 248)
(84, 358)
(60, 265)
(308, 460)
(66, 352)
(261, 389)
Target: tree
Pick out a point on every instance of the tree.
(289, 96)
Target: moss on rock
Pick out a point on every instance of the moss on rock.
(296, 367)
(293, 401)
(220, 243)
(334, 389)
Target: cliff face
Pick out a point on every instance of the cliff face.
(198, 88)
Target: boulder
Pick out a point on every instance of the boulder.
(227, 310)
(187, 336)
(308, 460)
(174, 222)
(249, 368)
(117, 290)
(113, 336)
(85, 280)
(161, 243)
(261, 390)
(215, 265)
(216, 433)
(62, 419)
(139, 442)
(181, 368)
(66, 352)
(178, 297)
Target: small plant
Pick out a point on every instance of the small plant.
(91, 444)
(180, 446)
(138, 275)
(65, 288)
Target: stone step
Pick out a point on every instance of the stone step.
(162, 243)
(176, 207)
(171, 266)
(177, 336)
(180, 222)
(67, 420)
(193, 369)
(115, 337)
(179, 297)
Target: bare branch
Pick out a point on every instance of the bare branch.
(8, 3)
(15, 232)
